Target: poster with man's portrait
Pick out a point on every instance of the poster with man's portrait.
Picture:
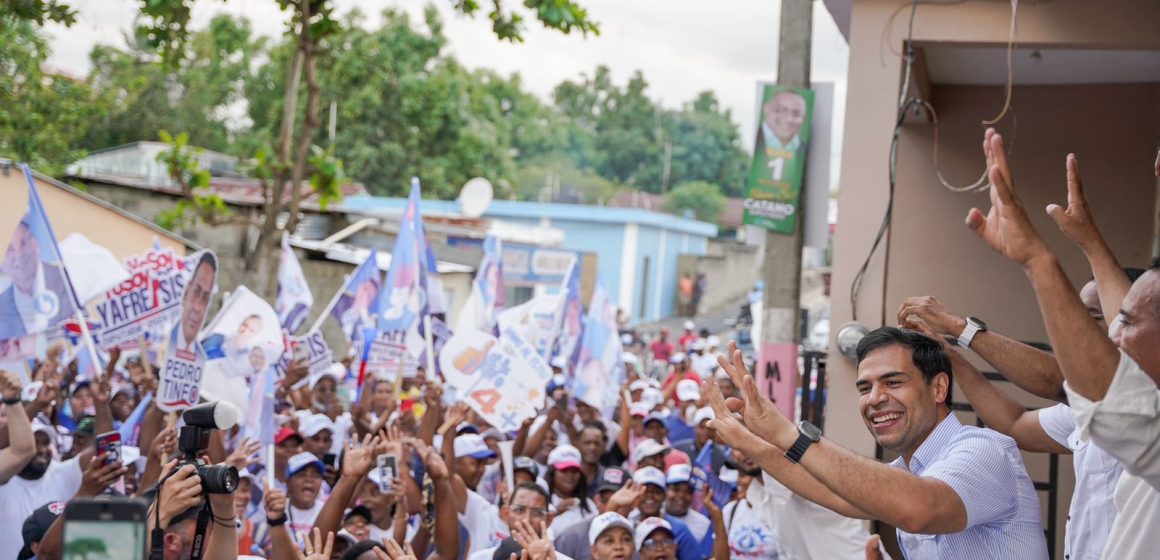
(779, 158)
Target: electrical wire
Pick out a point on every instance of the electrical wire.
(1010, 70)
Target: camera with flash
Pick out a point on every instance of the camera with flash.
(200, 421)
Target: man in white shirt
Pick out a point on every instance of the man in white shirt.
(41, 481)
(1111, 386)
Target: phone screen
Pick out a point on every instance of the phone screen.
(122, 539)
(329, 459)
(110, 444)
(388, 466)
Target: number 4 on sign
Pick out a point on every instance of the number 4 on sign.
(487, 399)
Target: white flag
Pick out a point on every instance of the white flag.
(93, 269)
(294, 297)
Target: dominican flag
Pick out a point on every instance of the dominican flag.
(294, 297)
(487, 291)
(358, 295)
(35, 292)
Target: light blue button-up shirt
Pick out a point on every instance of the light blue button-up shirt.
(986, 470)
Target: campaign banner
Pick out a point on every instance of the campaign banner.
(147, 304)
(502, 379)
(245, 338)
(779, 158)
(181, 375)
(388, 356)
(311, 347)
(537, 320)
(599, 369)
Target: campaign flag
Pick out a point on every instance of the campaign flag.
(599, 371)
(704, 477)
(259, 418)
(294, 297)
(35, 292)
(487, 290)
(504, 379)
(572, 321)
(537, 320)
(101, 270)
(182, 373)
(128, 429)
(358, 295)
(412, 289)
(245, 338)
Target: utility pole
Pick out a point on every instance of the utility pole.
(781, 267)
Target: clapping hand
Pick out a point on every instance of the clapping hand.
(727, 428)
(757, 412)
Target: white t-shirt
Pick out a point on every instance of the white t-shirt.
(749, 537)
(698, 524)
(300, 521)
(1133, 534)
(481, 518)
(19, 497)
(570, 517)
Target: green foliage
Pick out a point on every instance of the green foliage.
(704, 199)
(559, 179)
(35, 11)
(181, 161)
(327, 176)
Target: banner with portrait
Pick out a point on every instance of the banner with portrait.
(776, 174)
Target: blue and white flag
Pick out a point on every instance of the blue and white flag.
(354, 307)
(294, 297)
(571, 321)
(599, 370)
(35, 292)
(482, 309)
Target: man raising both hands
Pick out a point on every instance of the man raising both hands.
(967, 494)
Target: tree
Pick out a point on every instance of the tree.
(703, 199)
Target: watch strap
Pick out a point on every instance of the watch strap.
(968, 334)
(13, 401)
(794, 455)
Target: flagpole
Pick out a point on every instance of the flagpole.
(430, 346)
(330, 306)
(97, 369)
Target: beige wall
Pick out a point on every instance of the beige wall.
(1114, 130)
(71, 212)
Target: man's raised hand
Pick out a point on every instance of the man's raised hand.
(1006, 227)
(930, 311)
(1076, 220)
(757, 412)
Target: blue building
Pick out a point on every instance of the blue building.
(637, 250)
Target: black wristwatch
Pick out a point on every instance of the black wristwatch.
(12, 401)
(275, 522)
(809, 435)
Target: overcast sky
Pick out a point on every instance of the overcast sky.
(681, 48)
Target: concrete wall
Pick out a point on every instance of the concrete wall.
(731, 269)
(1113, 129)
(71, 212)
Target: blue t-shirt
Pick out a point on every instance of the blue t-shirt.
(687, 546)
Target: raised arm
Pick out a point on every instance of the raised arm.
(1086, 356)
(21, 442)
(1029, 368)
(357, 461)
(446, 519)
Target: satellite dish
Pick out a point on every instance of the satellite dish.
(475, 197)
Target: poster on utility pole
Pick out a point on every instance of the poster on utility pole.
(776, 175)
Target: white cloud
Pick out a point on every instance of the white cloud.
(683, 47)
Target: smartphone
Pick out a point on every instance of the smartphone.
(105, 528)
(109, 443)
(329, 459)
(388, 465)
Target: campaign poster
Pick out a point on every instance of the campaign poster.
(311, 347)
(501, 379)
(779, 158)
(181, 375)
(245, 337)
(146, 305)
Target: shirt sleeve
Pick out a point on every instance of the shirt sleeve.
(978, 470)
(687, 546)
(1126, 423)
(1058, 422)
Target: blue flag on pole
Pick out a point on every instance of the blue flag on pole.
(599, 370)
(704, 477)
(572, 321)
(353, 309)
(294, 297)
(487, 291)
(35, 292)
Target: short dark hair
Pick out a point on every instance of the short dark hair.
(926, 353)
(598, 426)
(359, 548)
(1154, 263)
(1135, 273)
(531, 487)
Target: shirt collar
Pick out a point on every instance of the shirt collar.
(926, 453)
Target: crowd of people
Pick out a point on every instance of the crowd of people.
(694, 463)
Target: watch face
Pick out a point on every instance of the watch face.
(979, 324)
(809, 430)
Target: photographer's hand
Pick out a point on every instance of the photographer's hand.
(179, 492)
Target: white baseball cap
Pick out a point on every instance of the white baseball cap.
(564, 457)
(630, 358)
(728, 475)
(679, 473)
(316, 423)
(650, 525)
(689, 325)
(302, 460)
(648, 448)
(677, 358)
(712, 342)
(638, 385)
(626, 339)
(688, 390)
(558, 362)
(471, 445)
(698, 344)
(703, 414)
(334, 371)
(650, 475)
(604, 522)
(639, 409)
(652, 397)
